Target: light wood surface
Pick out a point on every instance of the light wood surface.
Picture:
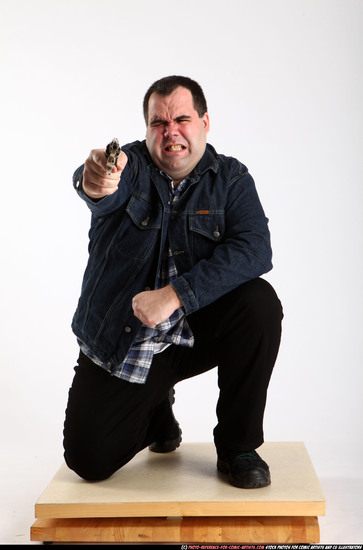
(288, 530)
(186, 483)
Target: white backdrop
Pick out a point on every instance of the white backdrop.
(284, 85)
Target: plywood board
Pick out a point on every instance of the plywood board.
(186, 483)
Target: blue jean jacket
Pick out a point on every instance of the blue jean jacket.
(217, 231)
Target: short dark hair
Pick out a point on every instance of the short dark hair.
(168, 84)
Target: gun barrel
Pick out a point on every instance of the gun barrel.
(113, 151)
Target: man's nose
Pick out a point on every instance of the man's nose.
(171, 129)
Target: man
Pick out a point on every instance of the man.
(178, 242)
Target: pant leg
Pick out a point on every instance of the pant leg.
(109, 420)
(246, 335)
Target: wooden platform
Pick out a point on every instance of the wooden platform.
(180, 497)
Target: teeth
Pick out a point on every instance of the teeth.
(175, 148)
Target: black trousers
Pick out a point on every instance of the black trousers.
(109, 420)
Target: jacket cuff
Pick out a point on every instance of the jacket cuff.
(187, 296)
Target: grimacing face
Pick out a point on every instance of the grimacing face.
(176, 136)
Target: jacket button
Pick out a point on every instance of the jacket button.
(145, 222)
(216, 234)
(127, 329)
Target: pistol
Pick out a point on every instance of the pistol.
(113, 151)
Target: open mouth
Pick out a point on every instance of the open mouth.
(174, 148)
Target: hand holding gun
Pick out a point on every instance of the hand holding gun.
(99, 177)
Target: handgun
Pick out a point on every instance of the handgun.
(113, 151)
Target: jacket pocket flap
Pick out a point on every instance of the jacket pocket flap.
(208, 223)
(144, 214)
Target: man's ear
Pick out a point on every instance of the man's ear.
(206, 122)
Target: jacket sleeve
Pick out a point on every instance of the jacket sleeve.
(243, 254)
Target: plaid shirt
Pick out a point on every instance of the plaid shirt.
(175, 330)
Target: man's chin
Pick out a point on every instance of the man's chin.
(175, 170)
(176, 167)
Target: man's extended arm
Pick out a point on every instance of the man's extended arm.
(150, 307)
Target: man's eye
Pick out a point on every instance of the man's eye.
(156, 123)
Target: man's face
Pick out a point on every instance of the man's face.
(175, 134)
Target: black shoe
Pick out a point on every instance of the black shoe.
(245, 470)
(166, 445)
(171, 435)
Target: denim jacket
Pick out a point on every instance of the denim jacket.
(217, 231)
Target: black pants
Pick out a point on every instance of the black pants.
(109, 420)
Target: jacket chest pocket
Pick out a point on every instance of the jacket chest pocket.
(206, 230)
(140, 228)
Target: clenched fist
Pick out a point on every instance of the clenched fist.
(96, 183)
(155, 306)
